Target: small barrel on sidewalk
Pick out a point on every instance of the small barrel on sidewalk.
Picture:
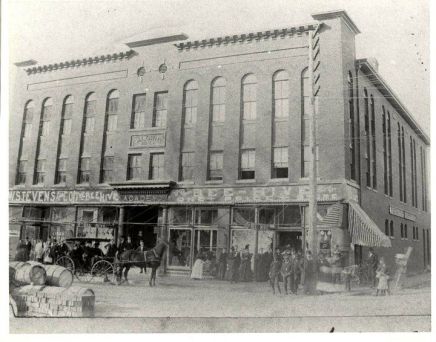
(28, 273)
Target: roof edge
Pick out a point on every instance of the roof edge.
(398, 105)
(337, 14)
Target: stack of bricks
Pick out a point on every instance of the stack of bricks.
(50, 301)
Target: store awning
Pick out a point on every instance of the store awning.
(333, 218)
(363, 230)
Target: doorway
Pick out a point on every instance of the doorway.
(293, 239)
(141, 225)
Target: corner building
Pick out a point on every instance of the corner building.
(206, 144)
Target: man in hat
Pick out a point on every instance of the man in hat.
(372, 266)
(286, 271)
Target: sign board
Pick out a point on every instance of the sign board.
(148, 140)
(402, 213)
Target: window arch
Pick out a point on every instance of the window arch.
(89, 113)
(112, 110)
(218, 99)
(47, 108)
(28, 118)
(249, 97)
(67, 115)
(190, 102)
(281, 94)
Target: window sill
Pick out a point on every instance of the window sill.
(60, 185)
(279, 180)
(245, 181)
(214, 182)
(145, 129)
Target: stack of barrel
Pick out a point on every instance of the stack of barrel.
(45, 290)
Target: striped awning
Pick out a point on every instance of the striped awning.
(363, 230)
(333, 218)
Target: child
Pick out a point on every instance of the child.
(383, 277)
(274, 273)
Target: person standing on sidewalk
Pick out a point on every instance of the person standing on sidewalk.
(274, 273)
(222, 264)
(372, 267)
(309, 276)
(286, 272)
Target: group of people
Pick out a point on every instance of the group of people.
(378, 273)
(288, 267)
(44, 252)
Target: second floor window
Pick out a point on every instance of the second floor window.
(248, 160)
(45, 117)
(112, 110)
(61, 172)
(160, 109)
(187, 172)
(85, 170)
(138, 115)
(134, 170)
(281, 95)
(90, 112)
(21, 174)
(216, 166)
(108, 167)
(190, 102)
(280, 162)
(249, 97)
(28, 118)
(218, 99)
(40, 171)
(157, 163)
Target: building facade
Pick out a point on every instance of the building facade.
(206, 144)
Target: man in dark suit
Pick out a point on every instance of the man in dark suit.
(372, 266)
(222, 264)
(141, 249)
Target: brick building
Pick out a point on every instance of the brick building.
(205, 143)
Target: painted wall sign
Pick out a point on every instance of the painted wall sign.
(148, 140)
(402, 213)
(409, 216)
(80, 196)
(297, 193)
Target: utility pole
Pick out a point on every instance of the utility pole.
(314, 76)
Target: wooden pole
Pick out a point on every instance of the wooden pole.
(313, 167)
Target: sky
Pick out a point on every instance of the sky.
(395, 32)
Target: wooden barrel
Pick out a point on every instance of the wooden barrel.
(31, 273)
(58, 276)
(16, 264)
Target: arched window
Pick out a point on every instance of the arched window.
(112, 110)
(249, 97)
(190, 102)
(351, 127)
(65, 131)
(218, 99)
(281, 94)
(28, 118)
(67, 115)
(47, 109)
(90, 111)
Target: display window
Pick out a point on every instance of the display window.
(243, 216)
(205, 243)
(179, 252)
(181, 216)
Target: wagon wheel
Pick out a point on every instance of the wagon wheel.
(66, 262)
(83, 275)
(103, 271)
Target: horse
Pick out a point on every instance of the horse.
(151, 258)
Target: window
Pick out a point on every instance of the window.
(415, 233)
(305, 123)
(108, 167)
(187, 166)
(423, 178)
(45, 117)
(112, 110)
(373, 143)
(216, 165)
(179, 250)
(206, 217)
(368, 141)
(61, 171)
(90, 112)
(157, 163)
(160, 109)
(21, 174)
(400, 163)
(387, 233)
(243, 216)
(248, 158)
(280, 162)
(249, 89)
(85, 171)
(390, 154)
(134, 170)
(351, 127)
(391, 227)
(190, 102)
(138, 115)
(181, 216)
(218, 99)
(401, 231)
(385, 153)
(40, 171)
(67, 115)
(281, 94)
(403, 150)
(27, 119)
(405, 231)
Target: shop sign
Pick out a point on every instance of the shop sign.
(330, 192)
(148, 140)
(79, 197)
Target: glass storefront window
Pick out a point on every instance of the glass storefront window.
(243, 216)
(265, 241)
(87, 218)
(242, 237)
(205, 242)
(206, 216)
(181, 216)
(266, 216)
(179, 253)
(288, 216)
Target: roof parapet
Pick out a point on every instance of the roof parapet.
(337, 14)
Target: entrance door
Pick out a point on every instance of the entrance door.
(294, 239)
(206, 242)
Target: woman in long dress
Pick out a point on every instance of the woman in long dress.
(383, 277)
(197, 269)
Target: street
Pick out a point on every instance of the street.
(179, 304)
